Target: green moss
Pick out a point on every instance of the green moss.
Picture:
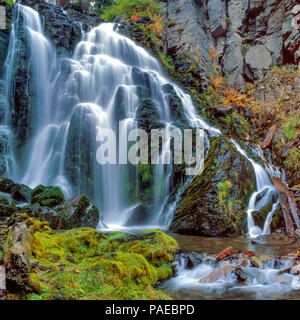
(291, 127)
(132, 8)
(86, 264)
(47, 196)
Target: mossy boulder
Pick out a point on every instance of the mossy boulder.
(215, 202)
(79, 212)
(84, 264)
(47, 196)
(6, 185)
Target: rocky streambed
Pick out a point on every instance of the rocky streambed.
(245, 270)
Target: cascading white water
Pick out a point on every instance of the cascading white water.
(101, 85)
(265, 191)
(267, 282)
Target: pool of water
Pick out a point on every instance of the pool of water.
(212, 246)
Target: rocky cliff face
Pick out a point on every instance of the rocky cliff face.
(248, 36)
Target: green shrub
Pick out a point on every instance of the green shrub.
(132, 7)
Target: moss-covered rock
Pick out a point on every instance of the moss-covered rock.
(6, 185)
(79, 212)
(87, 264)
(47, 196)
(215, 202)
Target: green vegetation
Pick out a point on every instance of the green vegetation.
(292, 160)
(291, 127)
(132, 8)
(47, 196)
(11, 2)
(86, 264)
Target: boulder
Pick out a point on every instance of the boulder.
(21, 193)
(55, 220)
(47, 196)
(258, 59)
(193, 259)
(218, 274)
(256, 262)
(243, 275)
(6, 185)
(79, 212)
(140, 215)
(215, 202)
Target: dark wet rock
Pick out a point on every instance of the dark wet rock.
(6, 185)
(194, 259)
(215, 202)
(272, 239)
(147, 115)
(6, 209)
(79, 212)
(21, 193)
(176, 107)
(47, 196)
(81, 151)
(63, 25)
(140, 215)
(243, 275)
(4, 154)
(4, 40)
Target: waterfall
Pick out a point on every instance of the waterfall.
(105, 82)
(265, 192)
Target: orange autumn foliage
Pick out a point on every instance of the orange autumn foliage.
(235, 98)
(134, 18)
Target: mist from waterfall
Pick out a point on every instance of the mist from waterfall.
(103, 83)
